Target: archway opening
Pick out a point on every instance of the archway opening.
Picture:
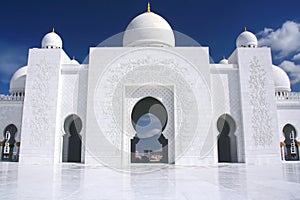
(72, 140)
(149, 119)
(291, 148)
(227, 146)
(10, 150)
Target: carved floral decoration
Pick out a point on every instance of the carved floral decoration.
(261, 120)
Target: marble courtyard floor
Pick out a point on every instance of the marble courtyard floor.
(76, 181)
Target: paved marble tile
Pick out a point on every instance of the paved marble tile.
(75, 181)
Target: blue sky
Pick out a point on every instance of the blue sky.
(82, 24)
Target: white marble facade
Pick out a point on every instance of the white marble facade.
(234, 111)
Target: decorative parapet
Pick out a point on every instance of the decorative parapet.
(291, 96)
(294, 96)
(11, 97)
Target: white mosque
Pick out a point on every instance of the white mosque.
(150, 101)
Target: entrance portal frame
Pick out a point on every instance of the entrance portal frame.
(133, 94)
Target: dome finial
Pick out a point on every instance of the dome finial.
(224, 57)
(245, 29)
(52, 29)
(73, 58)
(149, 8)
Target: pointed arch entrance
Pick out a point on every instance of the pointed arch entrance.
(9, 150)
(227, 146)
(149, 119)
(72, 140)
(291, 147)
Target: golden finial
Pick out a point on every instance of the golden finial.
(149, 8)
(245, 28)
(53, 30)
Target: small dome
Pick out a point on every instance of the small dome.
(18, 81)
(223, 61)
(281, 79)
(246, 39)
(149, 29)
(51, 41)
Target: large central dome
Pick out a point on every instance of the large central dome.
(149, 29)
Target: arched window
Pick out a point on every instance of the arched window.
(227, 147)
(72, 144)
(10, 151)
(290, 148)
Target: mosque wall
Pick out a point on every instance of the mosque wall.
(73, 93)
(10, 113)
(288, 113)
(11, 116)
(186, 72)
(258, 105)
(226, 100)
(40, 128)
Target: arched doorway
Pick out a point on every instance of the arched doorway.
(291, 148)
(9, 150)
(227, 147)
(72, 143)
(149, 119)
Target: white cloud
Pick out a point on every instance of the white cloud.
(293, 70)
(284, 40)
(265, 32)
(297, 56)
